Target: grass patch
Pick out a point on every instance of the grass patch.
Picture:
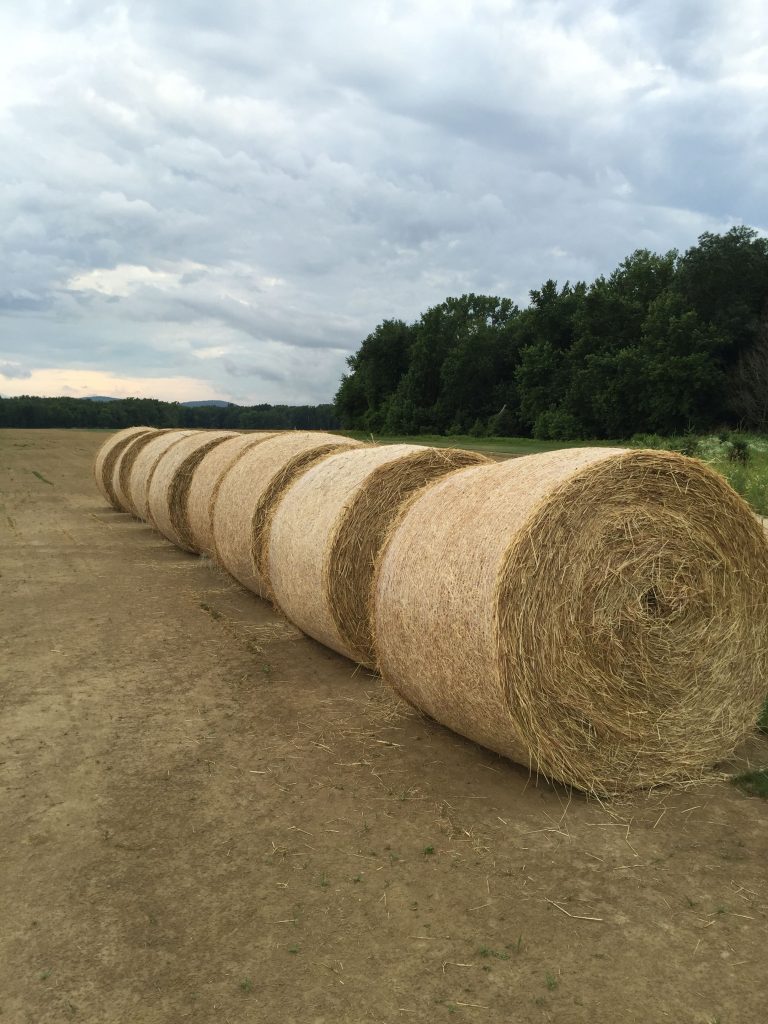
(487, 445)
(753, 783)
(41, 477)
(486, 951)
(741, 458)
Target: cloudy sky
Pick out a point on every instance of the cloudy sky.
(221, 198)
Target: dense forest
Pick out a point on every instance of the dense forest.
(667, 344)
(114, 414)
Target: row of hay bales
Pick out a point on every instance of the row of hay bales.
(599, 615)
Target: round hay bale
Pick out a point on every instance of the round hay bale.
(195, 522)
(249, 494)
(121, 472)
(144, 467)
(169, 487)
(600, 615)
(107, 456)
(328, 531)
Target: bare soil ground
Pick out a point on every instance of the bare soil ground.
(209, 818)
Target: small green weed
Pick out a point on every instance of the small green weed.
(486, 951)
(41, 477)
(551, 982)
(294, 949)
(753, 783)
(428, 851)
(45, 975)
(211, 611)
(246, 985)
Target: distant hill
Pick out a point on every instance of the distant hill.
(214, 402)
(190, 405)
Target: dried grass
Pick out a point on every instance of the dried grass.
(195, 519)
(143, 469)
(121, 473)
(598, 614)
(328, 531)
(249, 493)
(171, 480)
(107, 456)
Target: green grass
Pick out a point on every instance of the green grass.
(741, 458)
(41, 477)
(753, 783)
(486, 951)
(723, 452)
(487, 445)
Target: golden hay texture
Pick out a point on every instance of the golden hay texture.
(598, 614)
(249, 494)
(172, 477)
(144, 467)
(329, 528)
(107, 456)
(195, 521)
(121, 472)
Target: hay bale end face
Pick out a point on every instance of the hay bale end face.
(249, 494)
(329, 529)
(121, 472)
(107, 456)
(169, 489)
(195, 521)
(598, 614)
(143, 469)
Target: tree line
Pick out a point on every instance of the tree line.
(31, 411)
(666, 344)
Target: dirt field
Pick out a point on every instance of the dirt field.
(208, 818)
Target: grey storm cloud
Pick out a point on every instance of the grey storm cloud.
(236, 194)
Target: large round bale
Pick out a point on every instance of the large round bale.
(195, 523)
(600, 615)
(328, 531)
(143, 470)
(249, 494)
(169, 487)
(121, 472)
(107, 456)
